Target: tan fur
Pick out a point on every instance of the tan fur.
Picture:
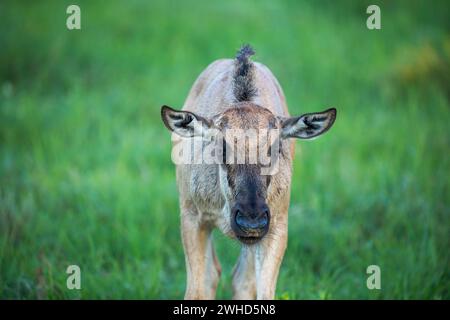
(204, 207)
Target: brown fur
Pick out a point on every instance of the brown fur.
(208, 190)
(201, 201)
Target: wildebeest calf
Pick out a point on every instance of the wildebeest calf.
(233, 156)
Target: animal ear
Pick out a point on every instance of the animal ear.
(309, 125)
(184, 123)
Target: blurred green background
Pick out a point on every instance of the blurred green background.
(85, 170)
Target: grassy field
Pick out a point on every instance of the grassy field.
(85, 170)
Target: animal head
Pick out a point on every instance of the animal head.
(250, 141)
(250, 146)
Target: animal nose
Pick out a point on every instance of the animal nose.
(252, 219)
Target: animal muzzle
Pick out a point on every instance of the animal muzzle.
(250, 222)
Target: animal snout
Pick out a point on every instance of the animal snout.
(250, 223)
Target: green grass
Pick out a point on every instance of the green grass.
(85, 170)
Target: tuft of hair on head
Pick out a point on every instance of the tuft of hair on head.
(243, 80)
(245, 52)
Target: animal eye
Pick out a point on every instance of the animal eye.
(268, 179)
(224, 152)
(269, 150)
(229, 179)
(280, 147)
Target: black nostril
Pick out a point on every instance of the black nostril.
(241, 220)
(250, 222)
(264, 220)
